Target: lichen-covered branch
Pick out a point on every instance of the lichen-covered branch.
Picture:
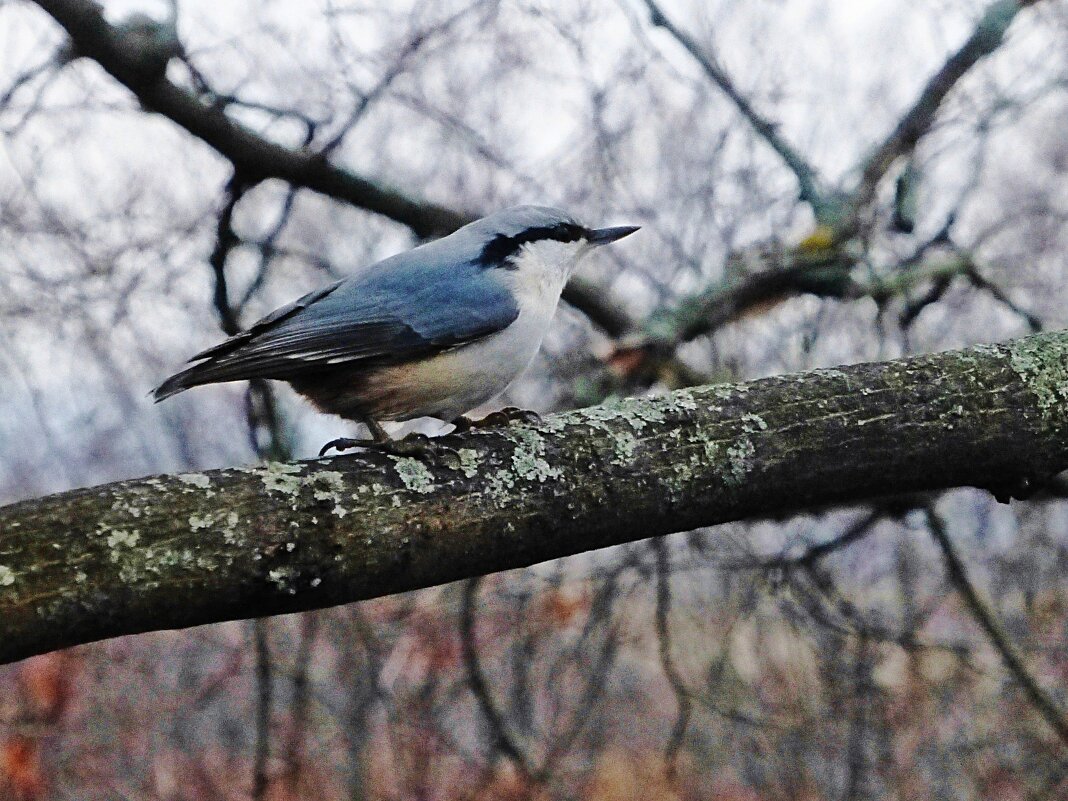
(174, 551)
(789, 273)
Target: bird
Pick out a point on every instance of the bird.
(432, 332)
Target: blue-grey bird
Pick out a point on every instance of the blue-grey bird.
(433, 332)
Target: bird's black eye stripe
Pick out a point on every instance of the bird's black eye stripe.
(497, 251)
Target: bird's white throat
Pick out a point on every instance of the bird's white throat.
(541, 269)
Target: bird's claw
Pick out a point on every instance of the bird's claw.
(502, 417)
(345, 443)
(415, 444)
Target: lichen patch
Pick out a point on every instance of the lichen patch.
(414, 474)
(329, 485)
(198, 480)
(528, 456)
(1041, 362)
(128, 539)
(469, 462)
(282, 477)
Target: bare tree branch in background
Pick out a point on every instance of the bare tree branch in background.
(917, 120)
(299, 723)
(264, 703)
(987, 620)
(503, 742)
(667, 660)
(254, 157)
(807, 179)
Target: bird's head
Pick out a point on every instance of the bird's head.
(540, 239)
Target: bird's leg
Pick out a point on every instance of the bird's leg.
(378, 434)
(502, 417)
(414, 444)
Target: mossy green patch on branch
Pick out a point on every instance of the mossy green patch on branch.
(1041, 362)
(413, 474)
(528, 457)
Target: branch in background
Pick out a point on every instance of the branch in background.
(503, 741)
(1001, 296)
(807, 179)
(298, 725)
(667, 661)
(648, 353)
(813, 554)
(225, 241)
(254, 158)
(175, 551)
(594, 302)
(262, 749)
(261, 409)
(985, 39)
(987, 620)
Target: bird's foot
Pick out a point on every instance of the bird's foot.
(415, 444)
(345, 443)
(502, 417)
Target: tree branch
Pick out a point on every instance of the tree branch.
(987, 619)
(793, 272)
(254, 158)
(917, 120)
(174, 551)
(807, 179)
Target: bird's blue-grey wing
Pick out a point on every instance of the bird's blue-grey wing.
(404, 309)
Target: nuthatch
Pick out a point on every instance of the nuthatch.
(433, 332)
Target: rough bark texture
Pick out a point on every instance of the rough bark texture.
(174, 551)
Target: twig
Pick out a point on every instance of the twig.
(858, 531)
(503, 741)
(263, 708)
(807, 179)
(988, 621)
(1034, 323)
(667, 661)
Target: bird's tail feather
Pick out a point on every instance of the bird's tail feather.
(179, 382)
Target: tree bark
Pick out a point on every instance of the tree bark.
(182, 550)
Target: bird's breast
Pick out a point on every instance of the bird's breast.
(456, 381)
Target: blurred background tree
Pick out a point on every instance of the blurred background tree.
(818, 183)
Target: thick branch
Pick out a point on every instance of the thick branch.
(174, 551)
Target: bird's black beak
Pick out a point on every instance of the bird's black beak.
(602, 236)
